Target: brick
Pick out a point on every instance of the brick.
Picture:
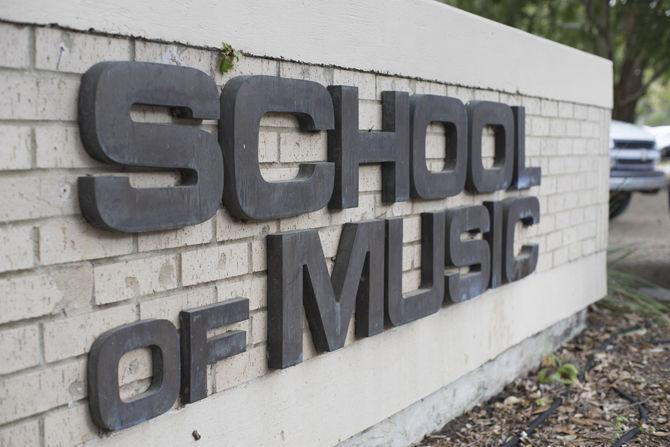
(240, 368)
(544, 262)
(557, 128)
(74, 52)
(539, 126)
(565, 109)
(573, 129)
(247, 65)
(33, 197)
(569, 235)
(595, 114)
(38, 391)
(73, 336)
(369, 178)
(274, 174)
(191, 235)
(411, 280)
(69, 426)
(17, 243)
(532, 105)
(430, 88)
(330, 240)
(72, 239)
(580, 111)
(174, 55)
(370, 115)
(322, 75)
(129, 279)
(315, 219)
(214, 263)
(365, 82)
(254, 288)
(487, 95)
(258, 256)
(15, 48)
(169, 307)
(574, 251)
(19, 348)
(411, 229)
(28, 432)
(388, 83)
(549, 107)
(135, 366)
(589, 247)
(230, 228)
(407, 257)
(37, 97)
(463, 93)
(561, 256)
(268, 146)
(15, 147)
(303, 146)
(259, 328)
(34, 295)
(554, 240)
(282, 120)
(60, 147)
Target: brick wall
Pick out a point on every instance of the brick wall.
(63, 283)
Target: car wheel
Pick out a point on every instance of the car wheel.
(619, 201)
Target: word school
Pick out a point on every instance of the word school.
(366, 281)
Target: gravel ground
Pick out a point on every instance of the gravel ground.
(608, 386)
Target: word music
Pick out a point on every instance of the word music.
(366, 280)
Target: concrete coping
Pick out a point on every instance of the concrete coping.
(422, 39)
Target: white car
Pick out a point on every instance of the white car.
(662, 134)
(634, 158)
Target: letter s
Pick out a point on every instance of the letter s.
(108, 91)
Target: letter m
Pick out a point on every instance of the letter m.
(298, 276)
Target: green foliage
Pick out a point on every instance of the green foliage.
(228, 57)
(556, 371)
(634, 34)
(624, 296)
(620, 425)
(654, 108)
(624, 293)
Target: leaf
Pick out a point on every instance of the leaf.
(228, 56)
(568, 373)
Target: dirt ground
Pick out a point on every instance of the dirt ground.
(645, 228)
(609, 386)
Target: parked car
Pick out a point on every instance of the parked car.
(634, 158)
(662, 134)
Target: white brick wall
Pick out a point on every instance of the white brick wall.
(63, 282)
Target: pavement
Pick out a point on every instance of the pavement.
(644, 228)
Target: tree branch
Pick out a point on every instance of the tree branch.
(645, 86)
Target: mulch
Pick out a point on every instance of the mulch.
(620, 396)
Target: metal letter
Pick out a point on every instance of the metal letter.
(495, 239)
(108, 411)
(108, 91)
(451, 112)
(197, 351)
(473, 253)
(481, 114)
(244, 101)
(403, 308)
(527, 211)
(297, 274)
(349, 147)
(523, 177)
